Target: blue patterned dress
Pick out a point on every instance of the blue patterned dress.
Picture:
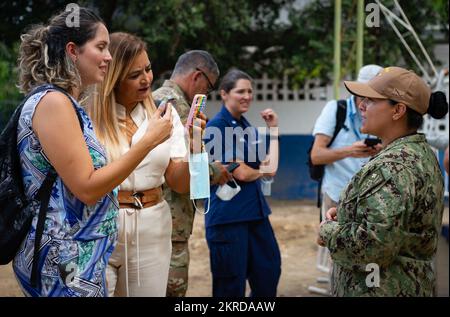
(78, 239)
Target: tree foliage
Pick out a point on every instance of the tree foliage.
(309, 40)
(248, 34)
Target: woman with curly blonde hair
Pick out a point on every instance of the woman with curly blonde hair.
(57, 63)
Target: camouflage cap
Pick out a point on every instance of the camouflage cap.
(397, 84)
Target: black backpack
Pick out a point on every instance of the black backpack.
(316, 171)
(16, 210)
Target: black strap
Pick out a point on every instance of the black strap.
(43, 195)
(319, 200)
(341, 115)
(44, 192)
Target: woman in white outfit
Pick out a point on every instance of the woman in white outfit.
(139, 265)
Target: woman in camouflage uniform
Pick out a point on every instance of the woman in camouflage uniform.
(383, 235)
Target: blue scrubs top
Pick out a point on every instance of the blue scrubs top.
(241, 142)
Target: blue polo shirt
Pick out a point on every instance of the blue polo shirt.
(229, 139)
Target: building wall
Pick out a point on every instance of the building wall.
(297, 111)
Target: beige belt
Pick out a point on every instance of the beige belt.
(141, 199)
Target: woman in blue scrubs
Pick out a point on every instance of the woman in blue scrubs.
(238, 231)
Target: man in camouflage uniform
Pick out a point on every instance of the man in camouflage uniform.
(388, 221)
(195, 73)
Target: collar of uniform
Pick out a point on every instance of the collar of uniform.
(232, 121)
(413, 138)
(137, 114)
(170, 84)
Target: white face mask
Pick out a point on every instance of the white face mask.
(266, 184)
(226, 192)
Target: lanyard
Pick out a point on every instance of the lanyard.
(352, 118)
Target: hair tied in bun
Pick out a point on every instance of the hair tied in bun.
(438, 106)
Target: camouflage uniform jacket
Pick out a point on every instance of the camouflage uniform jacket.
(390, 215)
(180, 204)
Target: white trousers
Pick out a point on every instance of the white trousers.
(139, 265)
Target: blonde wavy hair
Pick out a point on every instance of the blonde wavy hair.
(124, 48)
(42, 52)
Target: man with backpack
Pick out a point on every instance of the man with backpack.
(348, 152)
(339, 146)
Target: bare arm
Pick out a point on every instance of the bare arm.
(56, 125)
(270, 165)
(220, 174)
(245, 173)
(177, 176)
(321, 154)
(177, 173)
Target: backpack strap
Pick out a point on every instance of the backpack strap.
(44, 192)
(341, 114)
(319, 198)
(43, 195)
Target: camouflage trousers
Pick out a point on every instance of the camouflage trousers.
(179, 267)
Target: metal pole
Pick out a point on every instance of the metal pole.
(337, 47)
(424, 51)
(389, 17)
(359, 35)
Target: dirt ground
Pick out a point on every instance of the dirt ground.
(295, 225)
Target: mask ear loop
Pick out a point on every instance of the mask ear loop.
(234, 181)
(198, 209)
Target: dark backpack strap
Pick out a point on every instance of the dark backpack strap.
(43, 195)
(341, 114)
(319, 198)
(44, 192)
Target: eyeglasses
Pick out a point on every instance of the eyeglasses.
(370, 102)
(210, 85)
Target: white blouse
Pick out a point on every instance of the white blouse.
(150, 172)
